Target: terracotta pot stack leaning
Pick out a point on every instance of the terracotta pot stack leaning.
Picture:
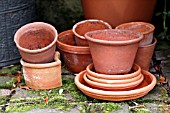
(114, 75)
(37, 46)
(147, 44)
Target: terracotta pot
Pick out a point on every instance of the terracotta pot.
(76, 58)
(144, 55)
(82, 27)
(113, 51)
(144, 28)
(36, 42)
(135, 71)
(115, 86)
(42, 76)
(105, 81)
(117, 12)
(147, 85)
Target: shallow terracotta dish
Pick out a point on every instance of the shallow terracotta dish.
(113, 87)
(105, 81)
(147, 85)
(135, 71)
(82, 27)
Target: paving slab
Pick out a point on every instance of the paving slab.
(153, 108)
(7, 82)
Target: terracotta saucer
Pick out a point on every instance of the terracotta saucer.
(147, 85)
(135, 71)
(105, 81)
(113, 87)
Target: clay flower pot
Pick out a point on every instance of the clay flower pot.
(142, 89)
(76, 58)
(135, 71)
(82, 27)
(144, 55)
(36, 42)
(43, 76)
(144, 28)
(116, 12)
(114, 86)
(113, 51)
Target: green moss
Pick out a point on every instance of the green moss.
(7, 82)
(10, 70)
(3, 100)
(99, 107)
(140, 110)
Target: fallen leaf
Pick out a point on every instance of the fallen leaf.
(162, 79)
(46, 100)
(24, 87)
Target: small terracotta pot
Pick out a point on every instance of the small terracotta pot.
(105, 81)
(43, 76)
(115, 86)
(147, 85)
(76, 58)
(36, 42)
(144, 55)
(113, 51)
(116, 12)
(144, 28)
(135, 71)
(82, 27)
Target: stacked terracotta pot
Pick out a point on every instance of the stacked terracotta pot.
(74, 47)
(41, 65)
(146, 46)
(113, 75)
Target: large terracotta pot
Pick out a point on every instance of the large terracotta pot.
(144, 55)
(82, 27)
(117, 12)
(43, 76)
(113, 51)
(135, 71)
(144, 28)
(147, 85)
(76, 58)
(36, 42)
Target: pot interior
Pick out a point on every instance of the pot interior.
(114, 35)
(36, 39)
(68, 39)
(87, 26)
(138, 27)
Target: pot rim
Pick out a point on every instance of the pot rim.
(142, 23)
(34, 24)
(149, 45)
(71, 48)
(117, 93)
(43, 65)
(88, 20)
(115, 77)
(105, 42)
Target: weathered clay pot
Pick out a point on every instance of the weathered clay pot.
(116, 12)
(144, 55)
(135, 71)
(43, 76)
(115, 86)
(147, 85)
(36, 42)
(144, 28)
(76, 58)
(82, 27)
(113, 51)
